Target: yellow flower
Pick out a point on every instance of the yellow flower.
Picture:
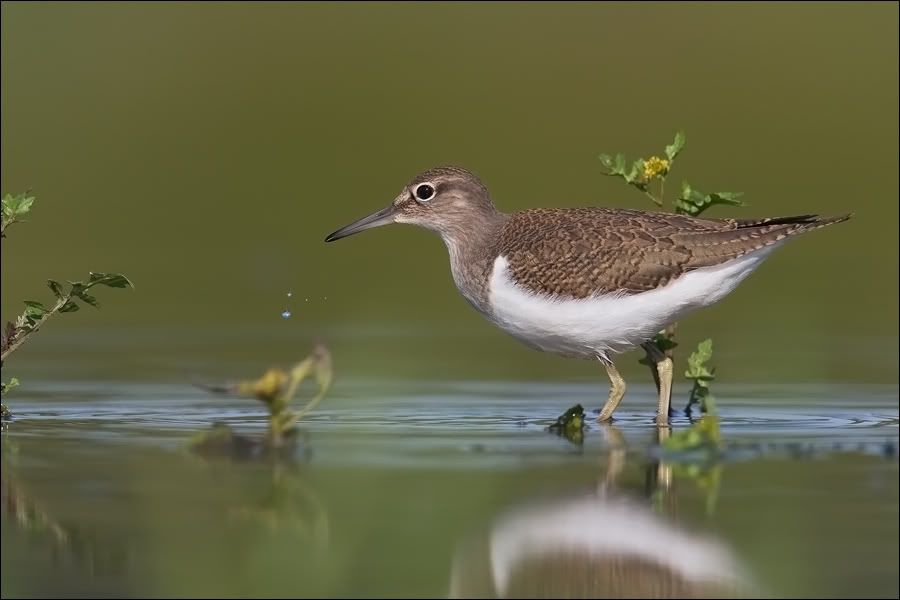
(654, 167)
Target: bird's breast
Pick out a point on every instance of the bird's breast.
(605, 322)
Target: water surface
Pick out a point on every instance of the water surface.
(440, 488)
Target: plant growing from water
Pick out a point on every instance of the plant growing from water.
(648, 175)
(701, 375)
(69, 297)
(697, 452)
(570, 425)
(276, 389)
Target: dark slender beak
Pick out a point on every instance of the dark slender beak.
(382, 217)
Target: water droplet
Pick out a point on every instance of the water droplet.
(285, 314)
(306, 300)
(325, 298)
(290, 294)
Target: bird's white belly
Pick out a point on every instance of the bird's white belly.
(611, 323)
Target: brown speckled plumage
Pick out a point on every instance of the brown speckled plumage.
(579, 252)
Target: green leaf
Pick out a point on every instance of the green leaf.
(88, 299)
(35, 304)
(5, 387)
(116, 280)
(34, 312)
(693, 202)
(727, 198)
(664, 343)
(637, 172)
(70, 306)
(16, 206)
(24, 205)
(675, 147)
(701, 374)
(55, 287)
(698, 359)
(34, 309)
(615, 164)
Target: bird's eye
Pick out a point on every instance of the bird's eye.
(424, 192)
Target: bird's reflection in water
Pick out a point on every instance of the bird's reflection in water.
(604, 543)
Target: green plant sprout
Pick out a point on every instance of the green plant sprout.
(701, 443)
(644, 171)
(648, 175)
(276, 389)
(570, 425)
(701, 375)
(68, 297)
(703, 436)
(14, 208)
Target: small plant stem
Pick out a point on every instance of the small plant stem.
(4, 225)
(21, 340)
(656, 201)
(310, 405)
(275, 429)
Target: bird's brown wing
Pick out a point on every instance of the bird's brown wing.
(582, 252)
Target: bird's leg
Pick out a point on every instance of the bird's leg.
(664, 374)
(651, 363)
(616, 391)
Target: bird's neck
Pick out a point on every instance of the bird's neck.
(472, 249)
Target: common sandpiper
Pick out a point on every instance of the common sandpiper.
(586, 282)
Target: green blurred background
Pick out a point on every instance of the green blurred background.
(205, 150)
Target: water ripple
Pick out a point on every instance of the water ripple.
(443, 422)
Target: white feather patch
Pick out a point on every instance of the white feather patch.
(610, 323)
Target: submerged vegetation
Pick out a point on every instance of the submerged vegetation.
(69, 297)
(276, 389)
(570, 425)
(649, 175)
